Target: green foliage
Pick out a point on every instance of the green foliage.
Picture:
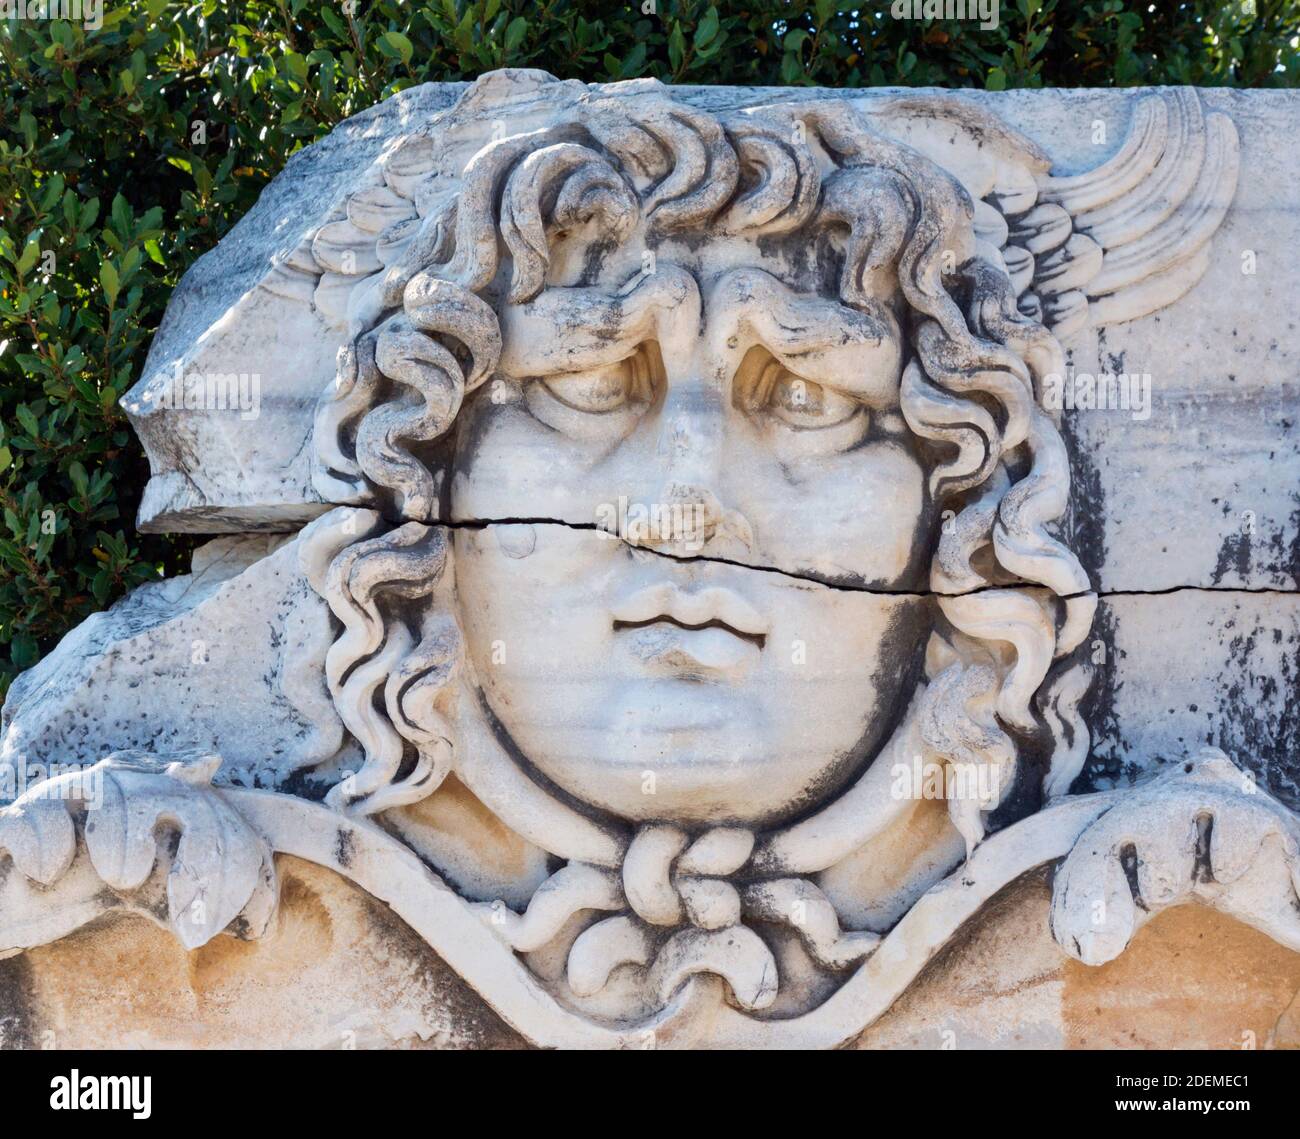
(127, 151)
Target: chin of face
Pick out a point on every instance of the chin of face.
(693, 691)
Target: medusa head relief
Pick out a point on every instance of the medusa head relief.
(696, 510)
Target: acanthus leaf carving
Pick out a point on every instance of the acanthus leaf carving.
(1201, 832)
(220, 871)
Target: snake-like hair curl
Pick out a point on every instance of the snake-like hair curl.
(423, 333)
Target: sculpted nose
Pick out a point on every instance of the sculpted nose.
(689, 505)
(691, 511)
(690, 435)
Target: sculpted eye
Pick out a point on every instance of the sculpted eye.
(601, 390)
(597, 403)
(801, 403)
(782, 401)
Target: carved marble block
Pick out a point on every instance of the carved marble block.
(696, 558)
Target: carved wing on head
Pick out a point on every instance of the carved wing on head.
(1109, 245)
(403, 201)
(1132, 235)
(360, 239)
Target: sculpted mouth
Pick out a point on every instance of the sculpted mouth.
(708, 634)
(756, 639)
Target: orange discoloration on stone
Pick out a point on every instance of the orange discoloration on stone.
(336, 969)
(1191, 978)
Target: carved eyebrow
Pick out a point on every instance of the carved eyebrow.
(570, 330)
(821, 340)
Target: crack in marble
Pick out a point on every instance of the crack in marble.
(848, 587)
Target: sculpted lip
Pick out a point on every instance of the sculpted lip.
(756, 639)
(708, 609)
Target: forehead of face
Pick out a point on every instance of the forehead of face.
(704, 321)
(816, 289)
(807, 260)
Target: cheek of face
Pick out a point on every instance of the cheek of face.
(691, 691)
(860, 517)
